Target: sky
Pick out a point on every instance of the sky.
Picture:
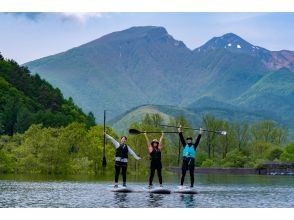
(28, 36)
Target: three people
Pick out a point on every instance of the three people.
(189, 154)
(121, 158)
(154, 149)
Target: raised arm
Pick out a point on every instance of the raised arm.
(181, 136)
(133, 153)
(198, 138)
(114, 142)
(147, 139)
(148, 143)
(160, 141)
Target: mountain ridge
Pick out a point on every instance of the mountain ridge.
(146, 65)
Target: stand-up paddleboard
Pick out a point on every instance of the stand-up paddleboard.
(159, 190)
(185, 190)
(121, 189)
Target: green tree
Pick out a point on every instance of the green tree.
(234, 158)
(242, 133)
(211, 123)
(268, 131)
(288, 154)
(274, 154)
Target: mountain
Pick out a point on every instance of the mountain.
(27, 99)
(146, 65)
(273, 60)
(118, 71)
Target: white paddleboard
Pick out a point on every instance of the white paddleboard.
(121, 189)
(185, 190)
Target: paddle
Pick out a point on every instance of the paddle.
(217, 132)
(135, 131)
(104, 141)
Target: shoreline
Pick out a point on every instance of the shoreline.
(258, 171)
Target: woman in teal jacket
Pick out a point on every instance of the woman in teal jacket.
(189, 155)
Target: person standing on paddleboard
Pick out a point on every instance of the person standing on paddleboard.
(121, 158)
(154, 149)
(189, 155)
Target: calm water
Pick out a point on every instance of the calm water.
(213, 191)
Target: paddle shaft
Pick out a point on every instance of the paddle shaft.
(171, 126)
(104, 140)
(157, 132)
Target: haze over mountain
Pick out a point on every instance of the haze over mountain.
(146, 65)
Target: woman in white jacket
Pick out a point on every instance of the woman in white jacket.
(121, 157)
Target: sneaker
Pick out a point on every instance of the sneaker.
(160, 185)
(150, 186)
(115, 186)
(124, 185)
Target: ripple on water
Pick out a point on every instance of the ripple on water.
(83, 194)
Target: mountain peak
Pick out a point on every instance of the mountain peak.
(229, 41)
(137, 35)
(136, 32)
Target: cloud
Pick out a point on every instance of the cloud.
(80, 17)
(33, 16)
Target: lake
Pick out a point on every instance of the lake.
(214, 190)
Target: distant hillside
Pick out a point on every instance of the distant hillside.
(194, 116)
(26, 99)
(146, 65)
(273, 93)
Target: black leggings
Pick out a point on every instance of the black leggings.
(188, 165)
(124, 173)
(152, 172)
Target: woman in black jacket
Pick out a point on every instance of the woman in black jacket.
(154, 149)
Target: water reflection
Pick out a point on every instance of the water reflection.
(241, 191)
(121, 199)
(155, 200)
(188, 200)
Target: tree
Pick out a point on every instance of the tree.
(211, 123)
(242, 133)
(91, 121)
(268, 131)
(260, 149)
(288, 154)
(274, 154)
(234, 158)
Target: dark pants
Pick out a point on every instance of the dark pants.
(188, 164)
(155, 165)
(123, 167)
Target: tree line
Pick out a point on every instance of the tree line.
(78, 148)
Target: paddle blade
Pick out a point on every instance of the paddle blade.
(223, 133)
(134, 131)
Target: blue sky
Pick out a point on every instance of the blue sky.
(28, 36)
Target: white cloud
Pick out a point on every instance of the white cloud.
(80, 17)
